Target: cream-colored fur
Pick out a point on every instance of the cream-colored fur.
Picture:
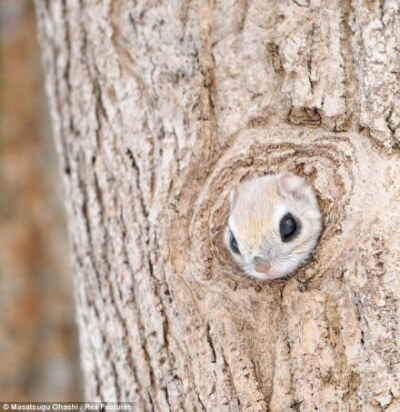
(257, 207)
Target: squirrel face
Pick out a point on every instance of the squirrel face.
(273, 226)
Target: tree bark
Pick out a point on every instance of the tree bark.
(159, 109)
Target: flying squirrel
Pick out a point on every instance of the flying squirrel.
(274, 225)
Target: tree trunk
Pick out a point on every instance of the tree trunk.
(159, 109)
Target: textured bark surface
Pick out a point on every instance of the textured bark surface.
(159, 109)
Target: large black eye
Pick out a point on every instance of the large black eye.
(288, 227)
(233, 244)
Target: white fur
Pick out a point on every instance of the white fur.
(257, 208)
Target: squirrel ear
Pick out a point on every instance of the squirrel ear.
(292, 185)
(233, 196)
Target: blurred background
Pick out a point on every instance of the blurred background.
(39, 358)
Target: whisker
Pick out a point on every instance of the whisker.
(300, 244)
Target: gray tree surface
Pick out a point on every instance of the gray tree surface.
(159, 108)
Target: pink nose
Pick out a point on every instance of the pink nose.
(262, 266)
